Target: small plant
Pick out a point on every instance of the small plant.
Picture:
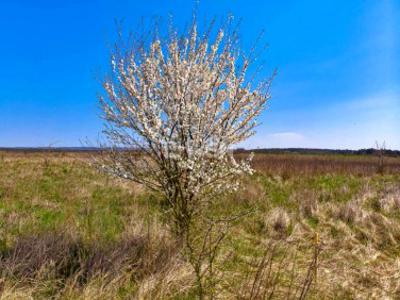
(380, 152)
(275, 276)
(202, 248)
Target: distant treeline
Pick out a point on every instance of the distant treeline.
(369, 151)
(51, 149)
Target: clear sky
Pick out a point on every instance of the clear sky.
(339, 67)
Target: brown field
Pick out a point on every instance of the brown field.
(285, 164)
(304, 164)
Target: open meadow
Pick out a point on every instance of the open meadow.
(200, 150)
(315, 227)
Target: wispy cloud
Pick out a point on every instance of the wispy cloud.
(386, 100)
(351, 123)
(287, 136)
(286, 139)
(358, 122)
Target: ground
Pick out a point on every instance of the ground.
(314, 226)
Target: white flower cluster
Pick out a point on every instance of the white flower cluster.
(183, 104)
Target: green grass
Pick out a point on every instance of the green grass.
(39, 197)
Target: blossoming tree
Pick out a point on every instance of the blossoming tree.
(174, 109)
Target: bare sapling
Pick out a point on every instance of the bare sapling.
(380, 152)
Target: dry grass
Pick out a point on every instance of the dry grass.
(67, 232)
(287, 165)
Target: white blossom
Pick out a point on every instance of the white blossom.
(182, 104)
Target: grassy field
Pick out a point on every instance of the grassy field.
(330, 223)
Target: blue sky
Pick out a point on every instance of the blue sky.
(339, 67)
